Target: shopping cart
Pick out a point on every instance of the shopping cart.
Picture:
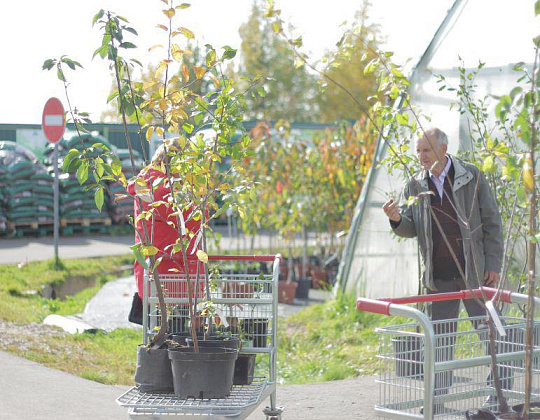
(441, 369)
(246, 304)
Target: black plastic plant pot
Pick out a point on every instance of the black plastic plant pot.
(302, 291)
(244, 369)
(203, 375)
(408, 356)
(225, 342)
(153, 372)
(181, 338)
(534, 409)
(256, 329)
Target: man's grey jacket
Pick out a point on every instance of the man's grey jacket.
(478, 217)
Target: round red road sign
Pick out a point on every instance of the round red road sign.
(53, 120)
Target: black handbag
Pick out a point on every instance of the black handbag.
(136, 312)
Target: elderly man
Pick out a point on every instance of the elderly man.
(456, 202)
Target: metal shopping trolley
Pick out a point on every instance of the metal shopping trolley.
(441, 369)
(247, 305)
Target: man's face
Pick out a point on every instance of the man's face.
(429, 152)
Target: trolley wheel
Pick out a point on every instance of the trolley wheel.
(273, 414)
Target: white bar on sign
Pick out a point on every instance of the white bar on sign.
(54, 120)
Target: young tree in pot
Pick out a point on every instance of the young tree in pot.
(190, 165)
(392, 122)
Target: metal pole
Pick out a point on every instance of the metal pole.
(56, 205)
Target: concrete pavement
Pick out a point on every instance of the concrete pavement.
(29, 390)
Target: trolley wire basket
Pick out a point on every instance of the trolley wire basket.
(442, 369)
(245, 306)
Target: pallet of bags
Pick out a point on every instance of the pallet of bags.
(27, 188)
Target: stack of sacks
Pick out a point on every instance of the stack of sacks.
(75, 203)
(3, 199)
(120, 208)
(27, 187)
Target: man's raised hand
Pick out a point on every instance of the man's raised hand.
(391, 209)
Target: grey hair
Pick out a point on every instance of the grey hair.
(437, 134)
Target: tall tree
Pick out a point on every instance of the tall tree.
(346, 65)
(290, 92)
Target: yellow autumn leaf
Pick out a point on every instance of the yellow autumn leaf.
(163, 104)
(528, 175)
(202, 256)
(153, 47)
(176, 52)
(169, 13)
(161, 69)
(199, 71)
(185, 72)
(149, 133)
(159, 131)
(216, 81)
(148, 250)
(186, 32)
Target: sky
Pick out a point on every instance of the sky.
(35, 30)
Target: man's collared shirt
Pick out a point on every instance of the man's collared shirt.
(439, 181)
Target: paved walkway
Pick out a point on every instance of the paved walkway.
(14, 251)
(29, 390)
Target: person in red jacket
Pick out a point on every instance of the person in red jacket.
(162, 228)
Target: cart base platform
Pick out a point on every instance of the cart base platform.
(242, 401)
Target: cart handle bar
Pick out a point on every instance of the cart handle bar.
(261, 258)
(382, 305)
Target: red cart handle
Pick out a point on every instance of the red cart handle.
(191, 258)
(503, 295)
(382, 305)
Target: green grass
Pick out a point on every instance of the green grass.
(323, 342)
(20, 288)
(327, 341)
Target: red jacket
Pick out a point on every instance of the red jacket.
(165, 230)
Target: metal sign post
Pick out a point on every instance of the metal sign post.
(54, 123)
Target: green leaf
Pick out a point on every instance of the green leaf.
(82, 173)
(71, 157)
(188, 128)
(402, 119)
(138, 256)
(127, 45)
(133, 31)
(488, 165)
(371, 66)
(210, 58)
(60, 74)
(101, 51)
(537, 8)
(99, 198)
(97, 16)
(113, 95)
(229, 53)
(99, 169)
(116, 166)
(183, 6)
(48, 64)
(101, 146)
